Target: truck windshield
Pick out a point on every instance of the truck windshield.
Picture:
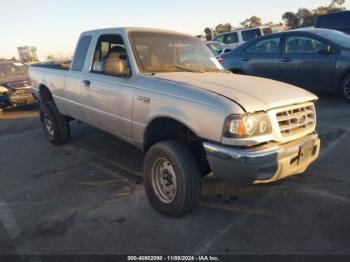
(158, 52)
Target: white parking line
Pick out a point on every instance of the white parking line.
(23, 248)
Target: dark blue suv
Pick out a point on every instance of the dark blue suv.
(337, 21)
(315, 59)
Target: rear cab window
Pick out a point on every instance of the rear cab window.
(80, 53)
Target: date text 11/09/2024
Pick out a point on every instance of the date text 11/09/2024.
(173, 258)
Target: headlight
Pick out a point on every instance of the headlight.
(238, 126)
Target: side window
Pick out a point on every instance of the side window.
(271, 45)
(110, 57)
(81, 52)
(231, 38)
(250, 34)
(303, 45)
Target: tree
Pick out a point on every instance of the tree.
(51, 57)
(305, 17)
(291, 20)
(254, 21)
(208, 34)
(336, 3)
(223, 28)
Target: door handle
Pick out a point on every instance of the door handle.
(245, 59)
(86, 83)
(286, 60)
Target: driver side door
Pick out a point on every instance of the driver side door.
(108, 94)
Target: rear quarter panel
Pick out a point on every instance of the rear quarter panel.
(53, 79)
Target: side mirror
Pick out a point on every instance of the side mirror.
(325, 51)
(227, 51)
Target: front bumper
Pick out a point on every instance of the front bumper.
(262, 164)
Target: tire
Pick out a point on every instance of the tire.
(345, 87)
(55, 126)
(183, 179)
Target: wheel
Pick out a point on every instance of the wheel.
(55, 126)
(345, 87)
(172, 179)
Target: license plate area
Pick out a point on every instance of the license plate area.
(306, 151)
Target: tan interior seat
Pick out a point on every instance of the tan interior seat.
(116, 62)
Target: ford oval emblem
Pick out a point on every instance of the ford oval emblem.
(301, 120)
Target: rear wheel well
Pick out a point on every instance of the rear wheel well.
(45, 94)
(167, 129)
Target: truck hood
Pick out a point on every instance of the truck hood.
(252, 93)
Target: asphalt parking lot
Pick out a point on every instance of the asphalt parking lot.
(87, 198)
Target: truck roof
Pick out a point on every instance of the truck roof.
(129, 29)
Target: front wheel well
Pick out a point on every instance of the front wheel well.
(342, 78)
(167, 129)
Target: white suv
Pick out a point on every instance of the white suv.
(236, 38)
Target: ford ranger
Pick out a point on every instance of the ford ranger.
(167, 94)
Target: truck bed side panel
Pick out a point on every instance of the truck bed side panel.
(54, 80)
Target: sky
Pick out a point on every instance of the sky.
(54, 26)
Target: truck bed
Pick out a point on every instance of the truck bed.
(64, 65)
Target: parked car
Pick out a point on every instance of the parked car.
(189, 115)
(337, 21)
(15, 88)
(315, 59)
(217, 48)
(238, 37)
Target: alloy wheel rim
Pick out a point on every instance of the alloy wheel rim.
(164, 180)
(49, 125)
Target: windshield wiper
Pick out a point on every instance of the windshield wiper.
(171, 67)
(189, 69)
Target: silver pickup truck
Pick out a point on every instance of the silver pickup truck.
(167, 94)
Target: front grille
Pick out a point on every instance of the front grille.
(296, 120)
